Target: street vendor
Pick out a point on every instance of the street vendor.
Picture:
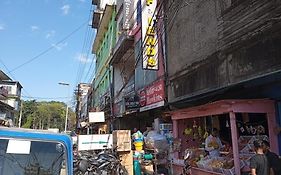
(213, 144)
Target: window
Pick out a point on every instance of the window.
(139, 11)
(42, 158)
(9, 89)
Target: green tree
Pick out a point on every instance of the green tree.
(44, 115)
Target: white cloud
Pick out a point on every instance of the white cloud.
(59, 46)
(83, 58)
(34, 28)
(65, 9)
(2, 27)
(50, 34)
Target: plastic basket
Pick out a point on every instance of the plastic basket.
(229, 171)
(207, 166)
(248, 149)
(246, 158)
(245, 139)
(259, 137)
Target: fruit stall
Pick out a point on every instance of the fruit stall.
(240, 122)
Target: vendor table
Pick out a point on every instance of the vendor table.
(231, 107)
(198, 171)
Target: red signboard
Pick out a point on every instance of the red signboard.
(152, 96)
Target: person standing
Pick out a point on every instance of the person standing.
(213, 144)
(259, 163)
(274, 162)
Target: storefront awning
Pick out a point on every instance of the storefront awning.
(232, 107)
(225, 106)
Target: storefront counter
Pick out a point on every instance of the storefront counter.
(177, 169)
(198, 171)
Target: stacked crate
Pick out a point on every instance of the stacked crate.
(122, 140)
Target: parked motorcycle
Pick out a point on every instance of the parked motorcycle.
(103, 163)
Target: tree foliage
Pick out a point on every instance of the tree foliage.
(44, 115)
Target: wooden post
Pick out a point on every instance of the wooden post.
(234, 142)
(176, 135)
(273, 137)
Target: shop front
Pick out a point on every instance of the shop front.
(239, 123)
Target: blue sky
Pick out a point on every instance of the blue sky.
(55, 36)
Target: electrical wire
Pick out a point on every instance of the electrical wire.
(87, 56)
(48, 49)
(13, 77)
(139, 56)
(87, 38)
(90, 68)
(141, 50)
(47, 98)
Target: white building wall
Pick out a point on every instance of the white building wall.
(103, 3)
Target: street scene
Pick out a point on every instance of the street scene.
(140, 87)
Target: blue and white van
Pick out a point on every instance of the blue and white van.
(34, 152)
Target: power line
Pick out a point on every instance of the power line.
(86, 41)
(143, 44)
(48, 49)
(13, 77)
(87, 57)
(141, 50)
(29, 97)
(90, 68)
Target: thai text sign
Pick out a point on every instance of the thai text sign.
(152, 96)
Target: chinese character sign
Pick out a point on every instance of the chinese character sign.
(149, 35)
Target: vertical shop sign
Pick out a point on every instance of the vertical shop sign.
(128, 12)
(153, 96)
(149, 36)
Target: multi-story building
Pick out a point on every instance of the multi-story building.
(223, 60)
(10, 93)
(123, 57)
(129, 79)
(138, 87)
(82, 97)
(105, 23)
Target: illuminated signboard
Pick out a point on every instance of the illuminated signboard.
(149, 36)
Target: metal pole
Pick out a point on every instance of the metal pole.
(66, 118)
(66, 113)
(21, 106)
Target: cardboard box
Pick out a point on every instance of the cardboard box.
(122, 139)
(148, 169)
(126, 158)
(130, 169)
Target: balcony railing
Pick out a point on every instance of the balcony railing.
(124, 43)
(3, 93)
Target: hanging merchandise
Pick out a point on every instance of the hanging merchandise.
(187, 131)
(227, 124)
(260, 130)
(253, 130)
(194, 124)
(242, 129)
(200, 131)
(248, 129)
(206, 134)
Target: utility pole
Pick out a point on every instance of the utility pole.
(77, 107)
